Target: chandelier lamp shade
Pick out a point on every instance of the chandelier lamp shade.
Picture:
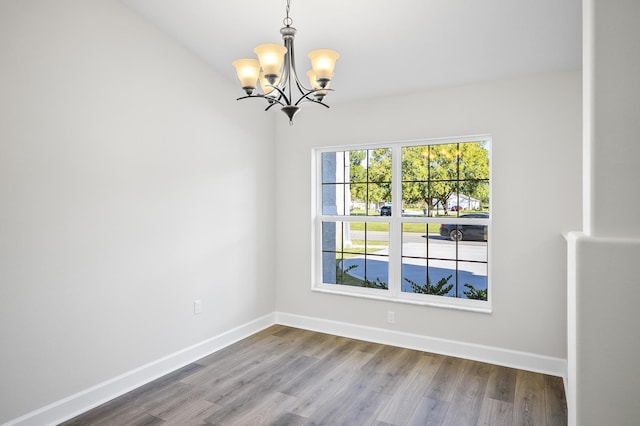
(275, 70)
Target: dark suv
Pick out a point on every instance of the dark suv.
(467, 231)
(385, 210)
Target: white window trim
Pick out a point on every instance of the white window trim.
(394, 293)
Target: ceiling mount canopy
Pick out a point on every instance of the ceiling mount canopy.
(275, 68)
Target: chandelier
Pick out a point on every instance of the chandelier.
(275, 68)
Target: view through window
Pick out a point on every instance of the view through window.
(406, 221)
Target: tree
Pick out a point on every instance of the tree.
(376, 283)
(474, 170)
(474, 293)
(370, 175)
(441, 289)
(431, 174)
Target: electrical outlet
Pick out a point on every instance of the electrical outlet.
(391, 317)
(197, 307)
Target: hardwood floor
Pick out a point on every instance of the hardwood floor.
(288, 376)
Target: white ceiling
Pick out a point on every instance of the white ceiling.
(386, 47)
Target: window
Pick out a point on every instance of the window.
(407, 221)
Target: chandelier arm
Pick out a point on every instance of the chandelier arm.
(271, 100)
(290, 64)
(318, 102)
(282, 94)
(282, 84)
(247, 97)
(272, 104)
(311, 92)
(301, 88)
(306, 98)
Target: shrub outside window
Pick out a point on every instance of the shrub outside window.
(405, 221)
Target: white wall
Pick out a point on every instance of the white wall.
(130, 186)
(603, 333)
(536, 159)
(612, 105)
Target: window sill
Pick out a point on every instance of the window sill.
(453, 303)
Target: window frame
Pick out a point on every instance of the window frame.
(396, 220)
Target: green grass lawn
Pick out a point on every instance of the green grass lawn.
(358, 248)
(407, 227)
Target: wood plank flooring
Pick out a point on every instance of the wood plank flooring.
(288, 376)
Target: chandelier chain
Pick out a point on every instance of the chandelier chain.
(288, 21)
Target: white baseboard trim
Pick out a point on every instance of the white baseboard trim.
(499, 356)
(94, 396)
(87, 399)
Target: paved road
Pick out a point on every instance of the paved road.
(416, 245)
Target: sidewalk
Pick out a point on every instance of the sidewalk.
(376, 265)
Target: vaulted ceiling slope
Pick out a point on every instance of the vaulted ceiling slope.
(387, 46)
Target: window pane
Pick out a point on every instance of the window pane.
(355, 236)
(435, 277)
(441, 246)
(379, 165)
(428, 261)
(379, 196)
(356, 182)
(377, 239)
(481, 193)
(414, 254)
(474, 176)
(446, 197)
(465, 232)
(414, 271)
(356, 254)
(415, 161)
(357, 161)
(359, 201)
(416, 195)
(443, 266)
(415, 199)
(445, 179)
(332, 243)
(333, 199)
(331, 273)
(414, 238)
(443, 162)
(461, 202)
(473, 280)
(377, 272)
(474, 251)
(332, 236)
(474, 161)
(371, 179)
(332, 167)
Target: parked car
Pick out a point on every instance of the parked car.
(466, 231)
(456, 209)
(385, 210)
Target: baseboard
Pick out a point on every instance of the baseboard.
(499, 356)
(87, 399)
